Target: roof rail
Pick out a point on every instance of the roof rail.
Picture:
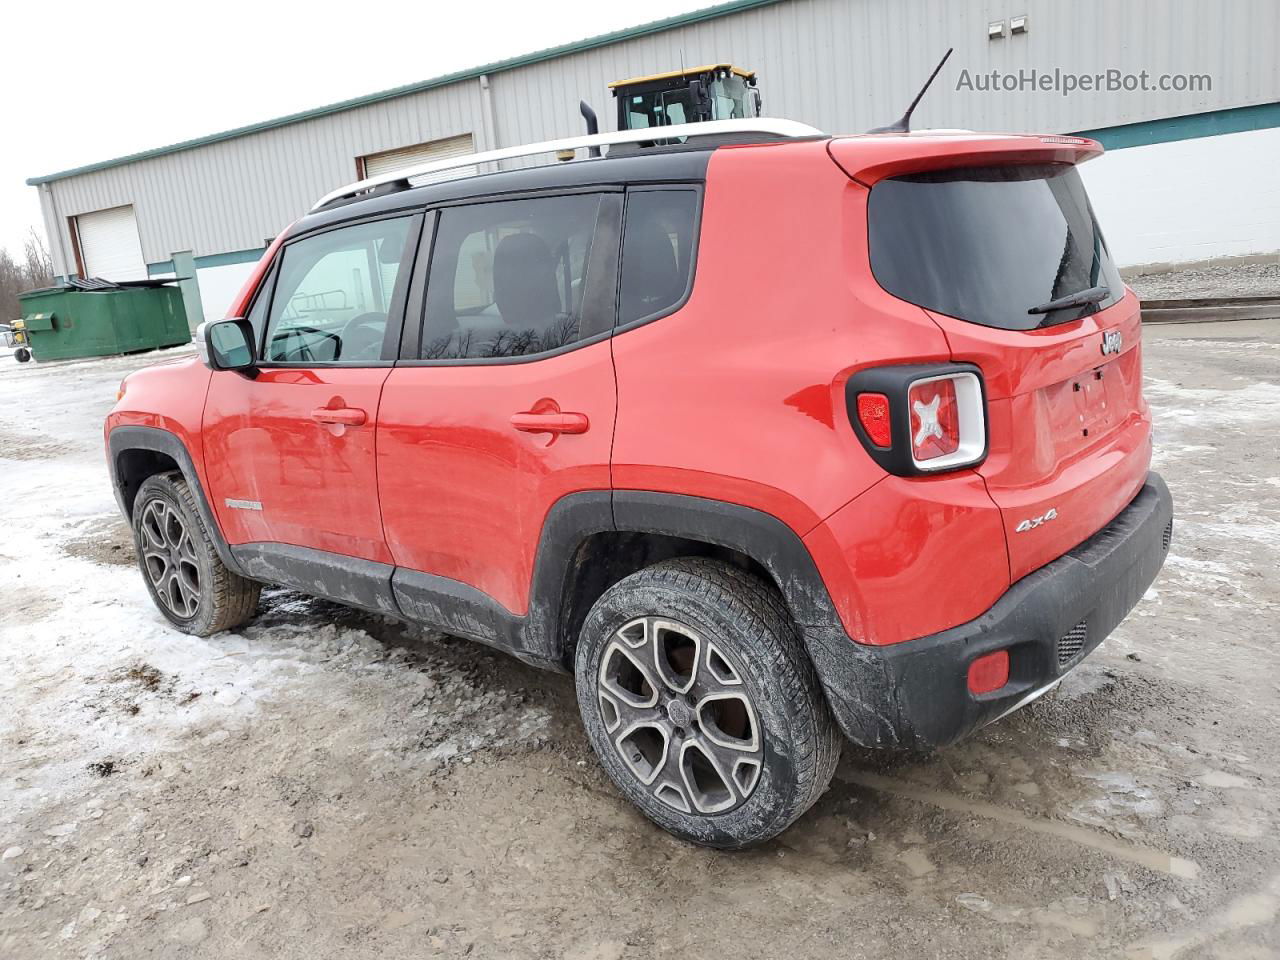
(782, 129)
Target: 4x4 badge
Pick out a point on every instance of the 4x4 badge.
(1111, 342)
(1025, 525)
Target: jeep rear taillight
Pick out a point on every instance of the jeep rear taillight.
(920, 419)
(948, 422)
(935, 421)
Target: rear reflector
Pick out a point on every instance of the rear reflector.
(989, 672)
(873, 414)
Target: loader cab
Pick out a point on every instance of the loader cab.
(714, 92)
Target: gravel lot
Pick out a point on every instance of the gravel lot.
(1221, 280)
(326, 783)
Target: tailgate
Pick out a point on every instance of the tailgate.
(998, 243)
(1069, 429)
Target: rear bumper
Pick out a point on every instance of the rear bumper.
(915, 694)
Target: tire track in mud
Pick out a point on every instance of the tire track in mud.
(1148, 857)
(1250, 910)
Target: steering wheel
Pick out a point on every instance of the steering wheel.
(362, 337)
(292, 345)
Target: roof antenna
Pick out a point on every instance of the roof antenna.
(904, 125)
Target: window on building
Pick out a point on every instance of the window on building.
(333, 293)
(658, 237)
(508, 279)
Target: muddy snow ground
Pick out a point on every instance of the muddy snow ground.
(325, 783)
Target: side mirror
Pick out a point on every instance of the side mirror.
(227, 345)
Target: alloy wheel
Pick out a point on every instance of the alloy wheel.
(679, 716)
(169, 557)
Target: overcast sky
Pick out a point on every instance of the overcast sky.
(93, 81)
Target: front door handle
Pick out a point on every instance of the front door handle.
(346, 416)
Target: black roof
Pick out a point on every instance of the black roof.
(683, 164)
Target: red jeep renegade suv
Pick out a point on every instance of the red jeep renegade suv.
(766, 439)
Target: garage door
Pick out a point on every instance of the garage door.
(109, 244)
(394, 160)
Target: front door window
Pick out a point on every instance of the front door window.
(334, 293)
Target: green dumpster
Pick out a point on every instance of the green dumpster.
(96, 318)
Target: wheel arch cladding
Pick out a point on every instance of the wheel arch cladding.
(132, 467)
(855, 682)
(591, 540)
(604, 558)
(135, 453)
(759, 536)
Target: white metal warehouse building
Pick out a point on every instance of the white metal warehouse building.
(1190, 174)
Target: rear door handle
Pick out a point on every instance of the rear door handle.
(550, 422)
(545, 416)
(347, 416)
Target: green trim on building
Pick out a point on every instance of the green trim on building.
(185, 267)
(1262, 116)
(212, 260)
(500, 66)
(226, 259)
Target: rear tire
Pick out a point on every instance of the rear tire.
(22, 354)
(187, 580)
(702, 705)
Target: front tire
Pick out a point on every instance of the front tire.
(187, 580)
(702, 705)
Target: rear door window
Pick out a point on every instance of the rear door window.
(515, 278)
(659, 234)
(989, 244)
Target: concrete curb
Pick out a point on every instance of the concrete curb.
(1206, 309)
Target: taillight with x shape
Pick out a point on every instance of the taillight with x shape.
(920, 419)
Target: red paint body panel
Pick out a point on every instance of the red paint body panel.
(912, 556)
(739, 395)
(465, 491)
(168, 396)
(317, 482)
(1017, 362)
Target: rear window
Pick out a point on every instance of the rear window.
(989, 244)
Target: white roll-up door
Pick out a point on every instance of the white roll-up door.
(392, 161)
(110, 246)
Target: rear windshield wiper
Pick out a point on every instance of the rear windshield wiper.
(1080, 299)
